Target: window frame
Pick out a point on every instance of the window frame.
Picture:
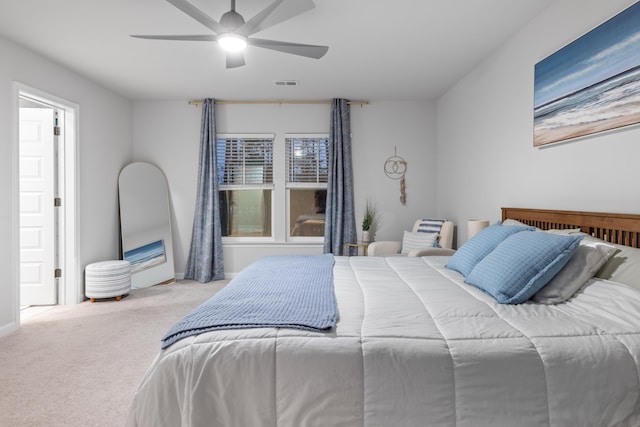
(288, 186)
(280, 190)
(264, 186)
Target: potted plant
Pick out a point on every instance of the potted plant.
(367, 221)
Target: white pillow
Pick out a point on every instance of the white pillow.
(411, 241)
(565, 231)
(583, 265)
(511, 222)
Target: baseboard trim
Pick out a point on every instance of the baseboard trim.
(9, 328)
(227, 276)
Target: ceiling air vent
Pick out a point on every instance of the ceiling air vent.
(286, 83)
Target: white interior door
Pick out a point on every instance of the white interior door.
(37, 217)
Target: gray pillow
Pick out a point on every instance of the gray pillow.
(622, 267)
(583, 265)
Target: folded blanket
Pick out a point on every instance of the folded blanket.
(282, 291)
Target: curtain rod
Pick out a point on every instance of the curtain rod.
(279, 102)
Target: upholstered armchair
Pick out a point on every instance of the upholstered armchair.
(412, 241)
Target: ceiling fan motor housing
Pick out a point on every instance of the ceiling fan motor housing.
(232, 20)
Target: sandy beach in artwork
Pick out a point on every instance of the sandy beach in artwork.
(139, 266)
(547, 136)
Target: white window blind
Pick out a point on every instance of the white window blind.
(245, 160)
(307, 159)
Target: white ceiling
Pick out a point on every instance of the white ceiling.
(394, 49)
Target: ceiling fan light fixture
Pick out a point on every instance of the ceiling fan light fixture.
(233, 34)
(232, 42)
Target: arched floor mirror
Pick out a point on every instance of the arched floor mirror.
(145, 223)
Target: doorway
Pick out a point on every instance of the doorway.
(46, 196)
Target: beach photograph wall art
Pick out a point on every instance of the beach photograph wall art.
(146, 256)
(592, 84)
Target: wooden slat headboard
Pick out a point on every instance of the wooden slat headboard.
(621, 229)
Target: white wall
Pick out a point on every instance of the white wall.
(486, 158)
(105, 127)
(167, 135)
(409, 127)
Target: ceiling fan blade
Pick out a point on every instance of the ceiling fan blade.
(194, 38)
(308, 50)
(198, 15)
(277, 12)
(235, 59)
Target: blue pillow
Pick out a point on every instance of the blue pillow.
(522, 265)
(479, 246)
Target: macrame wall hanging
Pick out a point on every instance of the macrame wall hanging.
(395, 167)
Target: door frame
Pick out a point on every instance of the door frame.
(69, 285)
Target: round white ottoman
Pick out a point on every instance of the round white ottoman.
(107, 279)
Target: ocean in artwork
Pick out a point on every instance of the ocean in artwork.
(609, 104)
(146, 256)
(592, 84)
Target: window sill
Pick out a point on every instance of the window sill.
(263, 244)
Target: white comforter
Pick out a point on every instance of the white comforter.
(414, 346)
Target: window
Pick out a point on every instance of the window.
(307, 165)
(263, 204)
(245, 175)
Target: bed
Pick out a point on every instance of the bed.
(309, 225)
(416, 346)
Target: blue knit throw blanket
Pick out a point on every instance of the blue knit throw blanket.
(282, 291)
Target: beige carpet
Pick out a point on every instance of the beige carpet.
(80, 365)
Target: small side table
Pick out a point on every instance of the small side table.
(347, 248)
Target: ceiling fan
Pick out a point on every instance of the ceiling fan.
(233, 34)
